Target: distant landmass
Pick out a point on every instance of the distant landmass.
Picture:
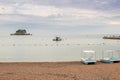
(111, 37)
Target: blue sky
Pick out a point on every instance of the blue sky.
(60, 16)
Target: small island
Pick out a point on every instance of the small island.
(21, 32)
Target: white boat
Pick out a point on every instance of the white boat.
(109, 57)
(88, 57)
(57, 39)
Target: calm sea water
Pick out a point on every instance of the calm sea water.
(43, 49)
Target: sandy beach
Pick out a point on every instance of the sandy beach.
(58, 71)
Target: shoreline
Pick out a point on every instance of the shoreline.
(62, 63)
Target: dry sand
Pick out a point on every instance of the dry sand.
(59, 71)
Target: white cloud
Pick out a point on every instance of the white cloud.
(53, 15)
(45, 11)
(5, 9)
(37, 10)
(114, 22)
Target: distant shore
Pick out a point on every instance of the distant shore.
(58, 71)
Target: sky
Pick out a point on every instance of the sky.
(60, 16)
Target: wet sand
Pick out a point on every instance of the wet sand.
(58, 71)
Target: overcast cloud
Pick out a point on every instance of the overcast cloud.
(60, 16)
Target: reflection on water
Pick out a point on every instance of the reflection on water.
(40, 49)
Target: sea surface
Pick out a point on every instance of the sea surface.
(44, 49)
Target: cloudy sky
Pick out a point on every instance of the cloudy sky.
(60, 16)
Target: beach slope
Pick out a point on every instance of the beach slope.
(58, 71)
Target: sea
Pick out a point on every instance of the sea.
(44, 49)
